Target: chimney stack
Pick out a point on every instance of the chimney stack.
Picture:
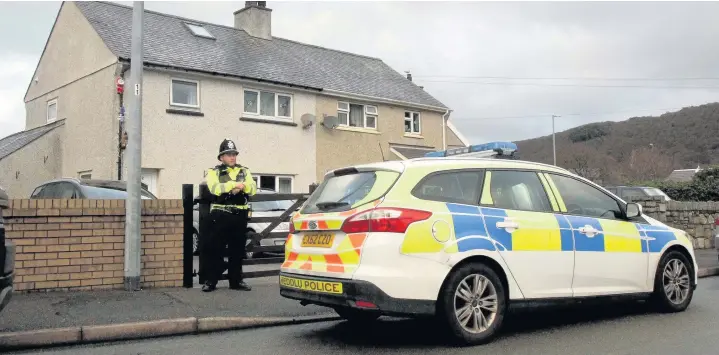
(409, 76)
(255, 19)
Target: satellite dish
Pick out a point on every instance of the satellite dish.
(330, 122)
(307, 120)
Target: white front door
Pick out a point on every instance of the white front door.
(149, 178)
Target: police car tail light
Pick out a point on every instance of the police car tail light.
(389, 220)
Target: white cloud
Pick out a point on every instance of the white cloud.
(15, 73)
(518, 39)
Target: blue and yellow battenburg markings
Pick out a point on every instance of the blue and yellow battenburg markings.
(475, 228)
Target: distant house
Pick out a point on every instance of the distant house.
(682, 175)
(202, 83)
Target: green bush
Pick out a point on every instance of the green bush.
(703, 187)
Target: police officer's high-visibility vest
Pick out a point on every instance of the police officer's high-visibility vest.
(222, 179)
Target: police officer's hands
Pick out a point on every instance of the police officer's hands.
(240, 186)
(235, 191)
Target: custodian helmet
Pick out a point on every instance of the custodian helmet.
(227, 146)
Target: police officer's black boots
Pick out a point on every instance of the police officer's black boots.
(208, 287)
(241, 286)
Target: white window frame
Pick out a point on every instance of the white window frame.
(197, 88)
(365, 109)
(47, 114)
(411, 123)
(277, 103)
(256, 177)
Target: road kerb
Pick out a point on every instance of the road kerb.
(142, 330)
(211, 324)
(40, 338)
(708, 271)
(138, 330)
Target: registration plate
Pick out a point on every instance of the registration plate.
(279, 242)
(321, 240)
(311, 285)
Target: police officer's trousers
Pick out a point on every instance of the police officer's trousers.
(228, 230)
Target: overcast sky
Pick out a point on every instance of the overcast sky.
(482, 59)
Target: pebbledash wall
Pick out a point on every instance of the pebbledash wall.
(696, 218)
(79, 244)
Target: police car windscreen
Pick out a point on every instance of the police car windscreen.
(345, 192)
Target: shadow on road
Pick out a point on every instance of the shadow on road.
(410, 333)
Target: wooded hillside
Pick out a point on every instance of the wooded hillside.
(640, 148)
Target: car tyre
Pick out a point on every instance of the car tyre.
(353, 315)
(473, 304)
(195, 243)
(673, 284)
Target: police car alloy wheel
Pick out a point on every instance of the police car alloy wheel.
(673, 289)
(473, 304)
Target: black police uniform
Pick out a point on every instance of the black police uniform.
(229, 214)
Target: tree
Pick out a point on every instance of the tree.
(648, 163)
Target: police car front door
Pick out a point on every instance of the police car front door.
(519, 216)
(611, 256)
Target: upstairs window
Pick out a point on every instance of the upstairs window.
(185, 93)
(199, 31)
(412, 122)
(353, 115)
(51, 110)
(268, 104)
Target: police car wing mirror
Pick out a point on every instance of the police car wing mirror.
(634, 210)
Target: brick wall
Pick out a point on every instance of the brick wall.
(79, 244)
(696, 218)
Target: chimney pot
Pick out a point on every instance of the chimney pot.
(255, 19)
(409, 76)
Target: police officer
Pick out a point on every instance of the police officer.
(232, 183)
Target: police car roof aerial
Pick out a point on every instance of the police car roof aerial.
(486, 150)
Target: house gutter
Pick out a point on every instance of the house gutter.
(158, 66)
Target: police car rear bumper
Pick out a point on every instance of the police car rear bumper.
(355, 294)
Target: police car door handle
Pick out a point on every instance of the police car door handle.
(508, 224)
(589, 231)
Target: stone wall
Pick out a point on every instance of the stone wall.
(79, 244)
(696, 218)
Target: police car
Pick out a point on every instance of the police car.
(460, 238)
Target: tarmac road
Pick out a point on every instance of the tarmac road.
(615, 329)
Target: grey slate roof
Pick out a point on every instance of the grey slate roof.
(169, 42)
(683, 175)
(13, 142)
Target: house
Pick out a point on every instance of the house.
(683, 175)
(295, 110)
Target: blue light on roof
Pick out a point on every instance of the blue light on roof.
(507, 147)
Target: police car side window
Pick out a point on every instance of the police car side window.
(584, 200)
(518, 190)
(455, 187)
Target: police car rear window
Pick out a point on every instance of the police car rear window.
(348, 191)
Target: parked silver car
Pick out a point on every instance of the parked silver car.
(259, 209)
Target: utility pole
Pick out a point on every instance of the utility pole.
(554, 141)
(133, 207)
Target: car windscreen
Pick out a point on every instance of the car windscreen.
(348, 191)
(105, 193)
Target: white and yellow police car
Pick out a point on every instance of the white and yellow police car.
(461, 238)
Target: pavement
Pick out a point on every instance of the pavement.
(617, 329)
(190, 310)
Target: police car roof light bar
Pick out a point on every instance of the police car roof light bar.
(478, 151)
